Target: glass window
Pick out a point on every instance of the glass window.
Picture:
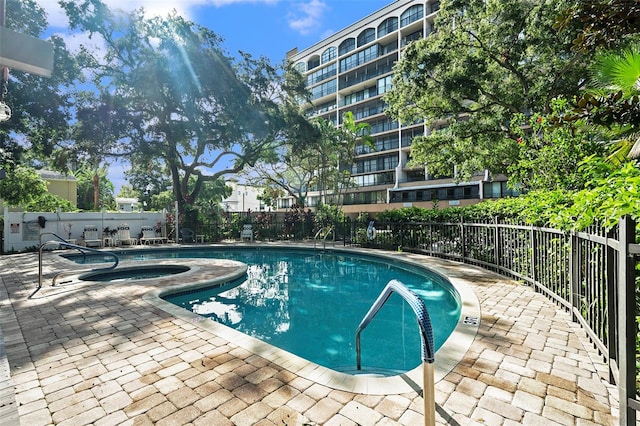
(323, 89)
(322, 74)
(301, 67)
(359, 58)
(366, 36)
(389, 25)
(384, 84)
(411, 15)
(411, 37)
(329, 54)
(313, 62)
(347, 46)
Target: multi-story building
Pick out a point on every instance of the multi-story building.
(350, 71)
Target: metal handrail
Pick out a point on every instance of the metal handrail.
(426, 333)
(62, 242)
(324, 239)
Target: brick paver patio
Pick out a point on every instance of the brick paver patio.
(99, 354)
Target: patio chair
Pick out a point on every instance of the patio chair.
(247, 232)
(124, 236)
(187, 235)
(149, 235)
(91, 236)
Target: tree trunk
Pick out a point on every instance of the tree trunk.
(96, 192)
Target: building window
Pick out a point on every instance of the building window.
(451, 193)
(366, 36)
(411, 15)
(375, 164)
(410, 134)
(411, 37)
(323, 89)
(498, 190)
(321, 74)
(329, 54)
(359, 58)
(384, 84)
(321, 109)
(359, 96)
(284, 203)
(383, 125)
(374, 179)
(301, 67)
(347, 46)
(313, 63)
(389, 25)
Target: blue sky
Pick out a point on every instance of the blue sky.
(260, 27)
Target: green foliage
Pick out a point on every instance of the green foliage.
(326, 214)
(180, 99)
(92, 196)
(607, 197)
(127, 191)
(603, 24)
(487, 61)
(549, 155)
(162, 200)
(535, 208)
(49, 203)
(21, 186)
(41, 107)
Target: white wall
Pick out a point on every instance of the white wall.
(242, 199)
(21, 229)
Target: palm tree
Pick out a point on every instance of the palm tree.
(616, 79)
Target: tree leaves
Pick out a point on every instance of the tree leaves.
(486, 62)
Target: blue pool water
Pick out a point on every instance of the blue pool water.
(310, 303)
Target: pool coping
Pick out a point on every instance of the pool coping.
(446, 358)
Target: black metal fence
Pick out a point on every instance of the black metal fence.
(594, 275)
(591, 274)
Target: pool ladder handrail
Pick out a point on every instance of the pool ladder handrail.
(82, 249)
(324, 239)
(426, 334)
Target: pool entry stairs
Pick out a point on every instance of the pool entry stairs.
(426, 333)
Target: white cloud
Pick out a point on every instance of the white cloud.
(308, 17)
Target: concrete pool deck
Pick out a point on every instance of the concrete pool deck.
(86, 353)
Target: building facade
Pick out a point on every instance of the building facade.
(350, 71)
(243, 198)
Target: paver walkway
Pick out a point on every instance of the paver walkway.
(99, 354)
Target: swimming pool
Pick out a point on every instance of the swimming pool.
(310, 303)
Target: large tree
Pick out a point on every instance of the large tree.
(187, 103)
(95, 190)
(41, 107)
(602, 24)
(316, 159)
(486, 61)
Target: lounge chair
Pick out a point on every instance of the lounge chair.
(247, 232)
(149, 236)
(91, 236)
(124, 236)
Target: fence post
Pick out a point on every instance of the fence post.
(612, 329)
(496, 245)
(532, 258)
(462, 239)
(574, 274)
(626, 322)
